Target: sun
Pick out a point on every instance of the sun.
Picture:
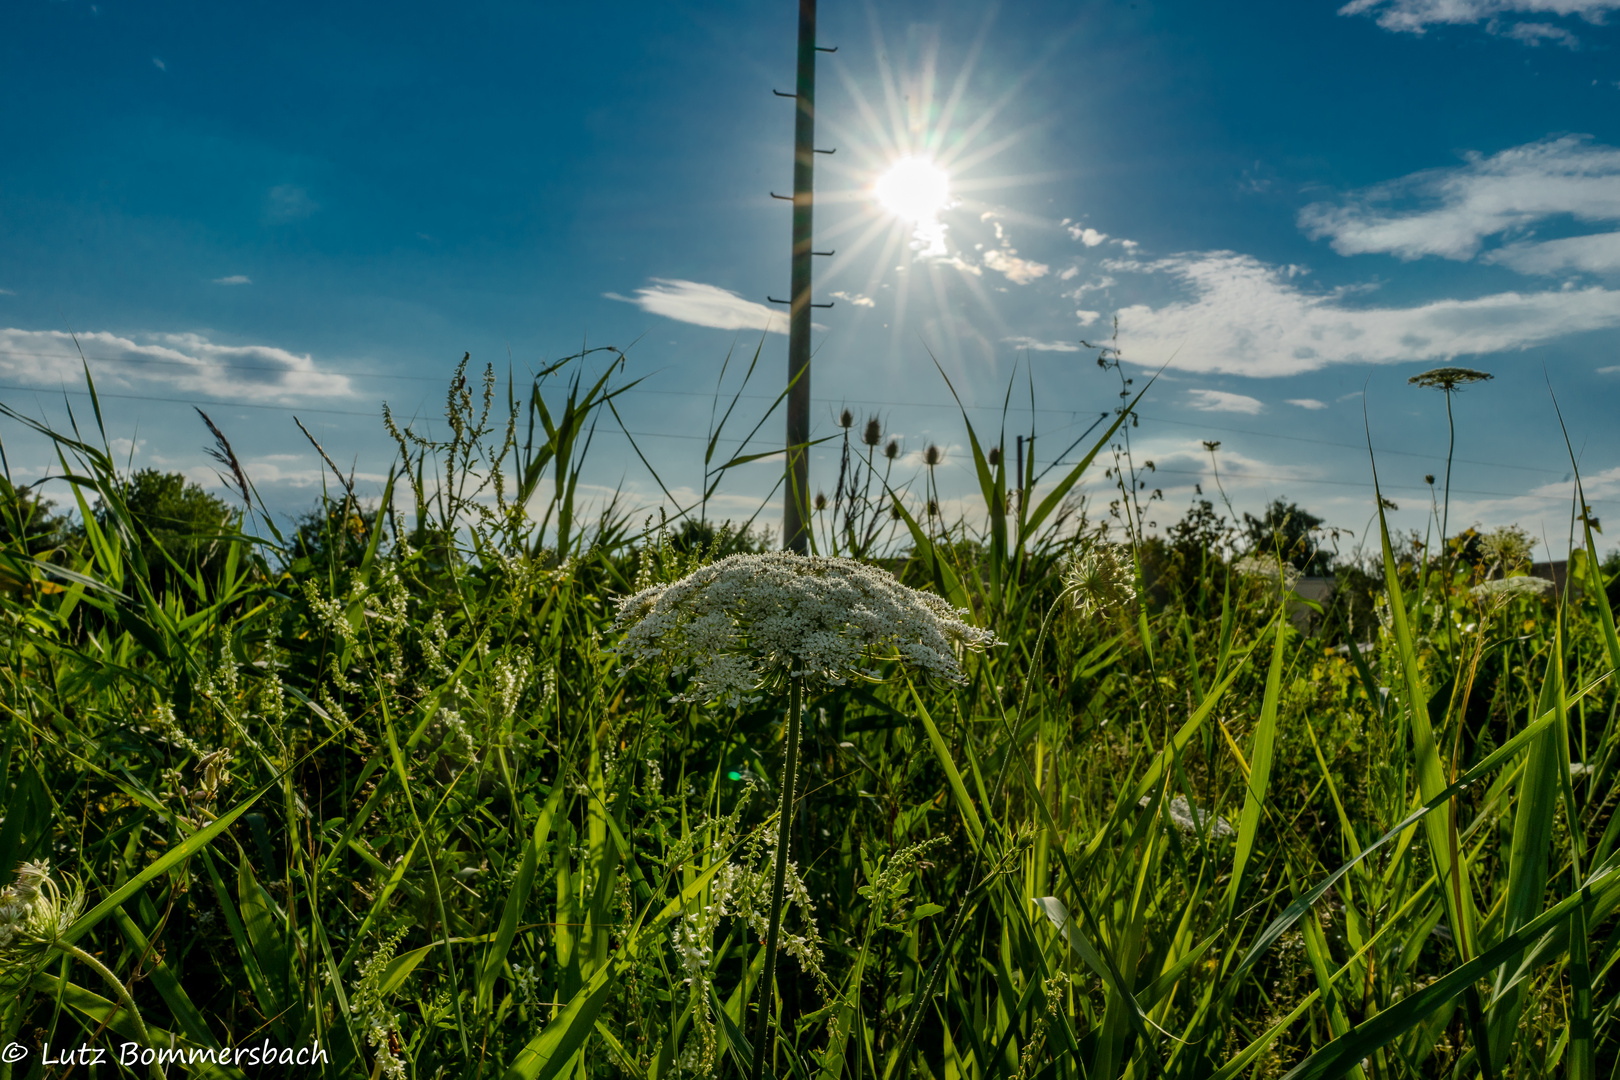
(914, 189)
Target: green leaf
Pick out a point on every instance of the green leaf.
(519, 896)
(1336, 1057)
(970, 815)
(1265, 736)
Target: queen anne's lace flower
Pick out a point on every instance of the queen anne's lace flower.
(1505, 589)
(1508, 547)
(1100, 580)
(34, 916)
(1268, 567)
(737, 623)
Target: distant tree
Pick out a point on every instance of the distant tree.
(178, 518)
(1200, 531)
(1295, 534)
(723, 539)
(1188, 562)
(27, 524)
(336, 531)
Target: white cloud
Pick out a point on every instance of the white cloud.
(1018, 271)
(1247, 318)
(159, 64)
(705, 305)
(1104, 282)
(1449, 212)
(7, 292)
(288, 202)
(1087, 317)
(1533, 34)
(1598, 253)
(234, 279)
(1042, 346)
(1221, 401)
(1613, 369)
(857, 299)
(293, 470)
(1307, 403)
(1088, 237)
(960, 264)
(1069, 274)
(1004, 259)
(1416, 16)
(179, 363)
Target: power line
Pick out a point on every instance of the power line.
(704, 438)
(863, 402)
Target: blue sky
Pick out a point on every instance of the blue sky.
(300, 209)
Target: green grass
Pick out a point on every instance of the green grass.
(452, 837)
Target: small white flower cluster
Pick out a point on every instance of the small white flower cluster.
(1269, 568)
(511, 679)
(1510, 588)
(34, 915)
(527, 983)
(740, 889)
(164, 721)
(369, 1006)
(456, 729)
(329, 613)
(746, 619)
(432, 642)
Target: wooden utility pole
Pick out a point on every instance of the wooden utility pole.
(796, 507)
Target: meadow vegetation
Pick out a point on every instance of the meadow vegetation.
(380, 778)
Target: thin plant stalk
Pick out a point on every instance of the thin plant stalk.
(790, 773)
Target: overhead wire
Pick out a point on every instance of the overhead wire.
(117, 395)
(872, 402)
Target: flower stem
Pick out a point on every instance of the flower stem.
(118, 987)
(790, 773)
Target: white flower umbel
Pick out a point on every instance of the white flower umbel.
(1101, 580)
(1505, 589)
(1269, 568)
(36, 919)
(743, 622)
(749, 622)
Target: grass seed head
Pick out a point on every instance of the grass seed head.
(872, 434)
